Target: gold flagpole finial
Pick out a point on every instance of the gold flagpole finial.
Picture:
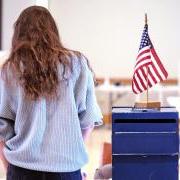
(146, 18)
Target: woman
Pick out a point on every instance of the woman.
(47, 103)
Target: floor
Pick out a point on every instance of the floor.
(94, 147)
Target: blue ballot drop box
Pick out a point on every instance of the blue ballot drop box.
(145, 144)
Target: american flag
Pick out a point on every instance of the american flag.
(149, 70)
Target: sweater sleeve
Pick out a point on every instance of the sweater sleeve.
(7, 116)
(88, 108)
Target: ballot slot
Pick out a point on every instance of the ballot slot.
(145, 121)
(148, 125)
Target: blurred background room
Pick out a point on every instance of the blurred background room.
(108, 32)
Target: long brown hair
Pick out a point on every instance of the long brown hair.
(36, 52)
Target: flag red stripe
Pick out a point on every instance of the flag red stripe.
(146, 64)
(143, 59)
(156, 71)
(136, 92)
(143, 52)
(145, 76)
(141, 81)
(149, 83)
(159, 62)
(152, 76)
(136, 84)
(133, 88)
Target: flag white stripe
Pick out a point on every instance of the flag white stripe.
(138, 82)
(135, 88)
(143, 49)
(142, 63)
(158, 68)
(142, 77)
(142, 56)
(154, 74)
(151, 80)
(145, 70)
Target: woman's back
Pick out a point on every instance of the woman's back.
(47, 101)
(48, 132)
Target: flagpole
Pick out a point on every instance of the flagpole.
(147, 92)
(147, 103)
(145, 18)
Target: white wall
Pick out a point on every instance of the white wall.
(10, 12)
(109, 31)
(11, 9)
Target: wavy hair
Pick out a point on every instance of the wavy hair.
(36, 51)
